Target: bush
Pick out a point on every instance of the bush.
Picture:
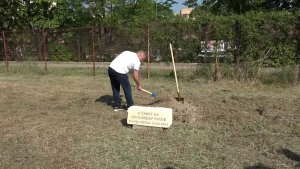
(65, 53)
(282, 76)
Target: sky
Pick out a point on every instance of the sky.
(176, 7)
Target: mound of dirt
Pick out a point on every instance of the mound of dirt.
(184, 112)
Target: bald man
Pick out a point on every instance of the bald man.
(118, 70)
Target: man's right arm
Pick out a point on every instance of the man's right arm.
(136, 79)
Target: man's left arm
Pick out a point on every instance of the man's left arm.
(136, 79)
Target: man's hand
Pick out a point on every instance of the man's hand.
(139, 87)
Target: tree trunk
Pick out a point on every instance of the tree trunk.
(206, 40)
(78, 50)
(36, 35)
(238, 45)
(176, 55)
(23, 51)
(103, 8)
(2, 51)
(238, 62)
(22, 48)
(238, 55)
(100, 44)
(38, 44)
(216, 53)
(19, 54)
(57, 51)
(205, 54)
(216, 69)
(205, 47)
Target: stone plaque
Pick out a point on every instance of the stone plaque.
(150, 116)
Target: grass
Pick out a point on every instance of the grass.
(64, 120)
(249, 73)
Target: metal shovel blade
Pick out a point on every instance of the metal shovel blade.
(179, 99)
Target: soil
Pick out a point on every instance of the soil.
(182, 112)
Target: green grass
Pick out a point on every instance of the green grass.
(279, 76)
(63, 120)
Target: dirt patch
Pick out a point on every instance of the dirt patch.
(163, 97)
(183, 112)
(68, 122)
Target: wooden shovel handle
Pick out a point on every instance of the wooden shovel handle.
(146, 91)
(174, 68)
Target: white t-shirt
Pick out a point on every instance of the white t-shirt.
(125, 61)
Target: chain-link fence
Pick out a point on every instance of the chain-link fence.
(231, 40)
(76, 44)
(192, 44)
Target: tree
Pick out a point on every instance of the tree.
(190, 3)
(227, 7)
(11, 15)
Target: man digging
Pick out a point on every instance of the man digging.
(117, 72)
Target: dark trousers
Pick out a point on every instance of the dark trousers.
(117, 79)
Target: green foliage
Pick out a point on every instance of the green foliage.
(107, 58)
(228, 7)
(257, 31)
(190, 3)
(287, 75)
(65, 53)
(206, 71)
(11, 15)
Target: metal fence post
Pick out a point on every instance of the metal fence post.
(148, 53)
(45, 55)
(93, 51)
(6, 58)
(299, 71)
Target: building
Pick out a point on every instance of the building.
(186, 12)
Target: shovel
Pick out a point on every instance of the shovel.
(146, 91)
(179, 99)
(152, 94)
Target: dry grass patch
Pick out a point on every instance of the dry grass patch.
(68, 122)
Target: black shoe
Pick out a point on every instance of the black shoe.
(118, 108)
(127, 109)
